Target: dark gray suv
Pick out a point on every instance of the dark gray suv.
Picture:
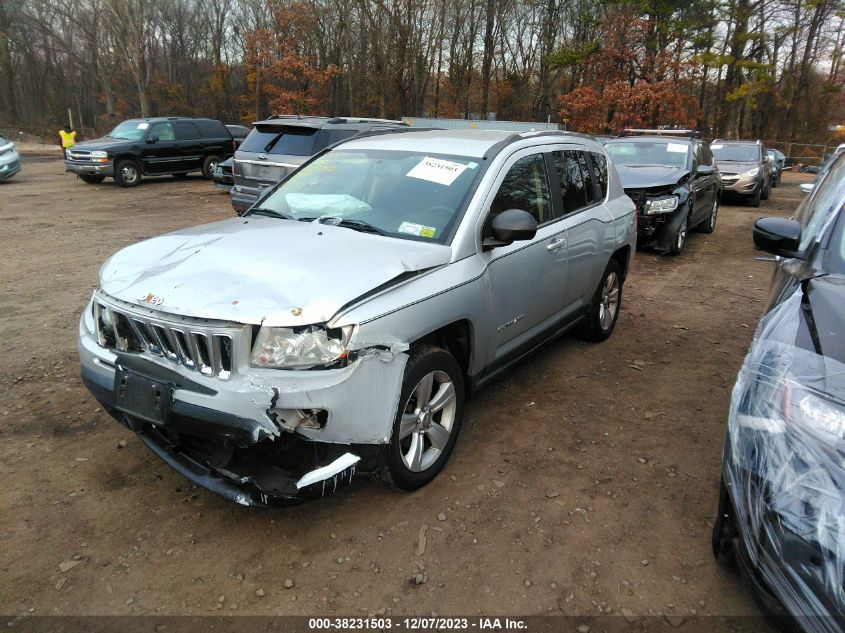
(280, 144)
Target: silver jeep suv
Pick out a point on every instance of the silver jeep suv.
(338, 327)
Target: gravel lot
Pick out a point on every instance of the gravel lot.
(584, 481)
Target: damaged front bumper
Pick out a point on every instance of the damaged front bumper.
(660, 231)
(256, 436)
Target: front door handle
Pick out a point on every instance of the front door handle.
(555, 245)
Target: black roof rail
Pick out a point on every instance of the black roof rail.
(687, 133)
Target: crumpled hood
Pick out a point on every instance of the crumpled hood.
(650, 176)
(261, 270)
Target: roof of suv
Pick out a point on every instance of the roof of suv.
(653, 138)
(156, 119)
(457, 142)
(724, 141)
(323, 121)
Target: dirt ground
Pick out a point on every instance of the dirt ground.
(584, 482)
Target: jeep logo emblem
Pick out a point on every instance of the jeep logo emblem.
(152, 299)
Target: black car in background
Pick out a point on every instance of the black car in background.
(778, 163)
(151, 147)
(673, 181)
(782, 498)
(222, 175)
(280, 144)
(238, 132)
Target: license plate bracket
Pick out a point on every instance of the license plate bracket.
(142, 397)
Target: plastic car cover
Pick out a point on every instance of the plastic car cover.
(785, 468)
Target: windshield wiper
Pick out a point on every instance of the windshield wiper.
(270, 213)
(360, 225)
(349, 223)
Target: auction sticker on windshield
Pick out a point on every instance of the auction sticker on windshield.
(443, 172)
(417, 229)
(678, 148)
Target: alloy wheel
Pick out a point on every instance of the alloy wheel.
(682, 235)
(609, 302)
(427, 421)
(129, 174)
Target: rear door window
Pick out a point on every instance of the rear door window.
(185, 131)
(211, 128)
(600, 171)
(589, 189)
(285, 140)
(571, 181)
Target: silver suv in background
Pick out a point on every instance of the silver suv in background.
(746, 169)
(278, 145)
(339, 326)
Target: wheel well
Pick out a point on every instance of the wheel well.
(456, 338)
(121, 157)
(622, 257)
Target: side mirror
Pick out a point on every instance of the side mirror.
(152, 139)
(807, 187)
(778, 236)
(767, 159)
(705, 170)
(513, 225)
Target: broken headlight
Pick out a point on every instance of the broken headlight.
(661, 205)
(300, 347)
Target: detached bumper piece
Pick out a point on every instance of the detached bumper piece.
(269, 474)
(218, 451)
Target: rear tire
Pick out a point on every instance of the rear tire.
(708, 225)
(208, 166)
(605, 307)
(427, 423)
(92, 179)
(127, 173)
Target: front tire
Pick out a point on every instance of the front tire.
(754, 200)
(127, 173)
(604, 309)
(428, 421)
(680, 238)
(767, 189)
(209, 165)
(92, 179)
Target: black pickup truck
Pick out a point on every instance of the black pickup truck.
(152, 147)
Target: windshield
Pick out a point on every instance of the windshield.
(736, 153)
(649, 153)
(400, 194)
(290, 140)
(130, 130)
